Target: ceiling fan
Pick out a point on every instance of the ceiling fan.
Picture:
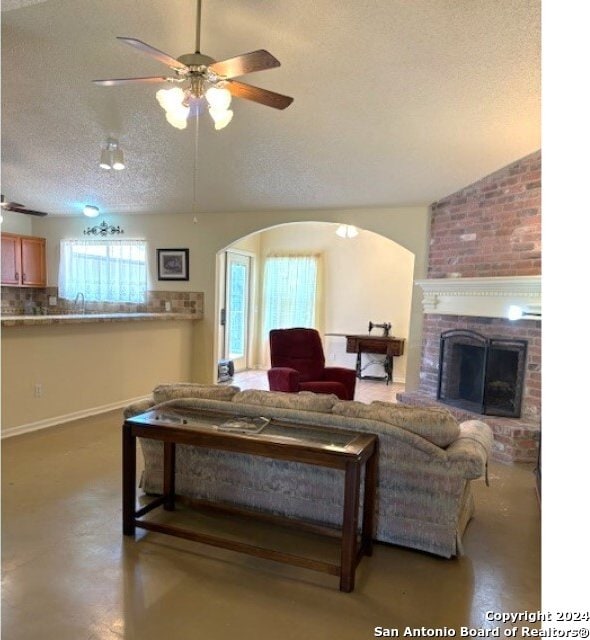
(205, 80)
(18, 208)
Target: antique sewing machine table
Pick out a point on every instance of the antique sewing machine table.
(388, 345)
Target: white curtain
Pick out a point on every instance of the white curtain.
(290, 292)
(103, 270)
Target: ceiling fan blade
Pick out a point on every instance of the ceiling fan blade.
(246, 63)
(19, 209)
(5, 204)
(153, 52)
(115, 81)
(263, 96)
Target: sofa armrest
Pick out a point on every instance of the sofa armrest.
(283, 379)
(141, 406)
(472, 448)
(340, 374)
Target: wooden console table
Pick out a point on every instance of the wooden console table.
(348, 451)
(388, 345)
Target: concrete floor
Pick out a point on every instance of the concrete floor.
(68, 573)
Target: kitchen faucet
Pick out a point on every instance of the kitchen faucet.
(79, 296)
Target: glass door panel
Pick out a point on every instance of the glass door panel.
(237, 307)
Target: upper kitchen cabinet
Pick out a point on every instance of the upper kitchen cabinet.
(23, 261)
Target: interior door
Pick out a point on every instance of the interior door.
(237, 308)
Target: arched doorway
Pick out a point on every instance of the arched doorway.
(361, 279)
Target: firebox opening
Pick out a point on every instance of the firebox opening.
(482, 375)
(470, 372)
(501, 380)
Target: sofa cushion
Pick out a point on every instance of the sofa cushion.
(472, 448)
(137, 408)
(329, 387)
(302, 401)
(175, 391)
(436, 425)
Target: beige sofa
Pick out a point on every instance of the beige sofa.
(426, 463)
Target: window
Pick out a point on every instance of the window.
(103, 270)
(290, 286)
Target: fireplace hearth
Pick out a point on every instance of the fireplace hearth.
(481, 375)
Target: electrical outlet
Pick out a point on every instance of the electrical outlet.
(53, 301)
(38, 392)
(332, 356)
(168, 306)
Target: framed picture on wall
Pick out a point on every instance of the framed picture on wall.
(172, 264)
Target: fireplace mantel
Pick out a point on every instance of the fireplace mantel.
(482, 297)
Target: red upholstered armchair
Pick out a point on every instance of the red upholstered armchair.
(298, 364)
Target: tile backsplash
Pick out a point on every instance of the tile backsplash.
(20, 301)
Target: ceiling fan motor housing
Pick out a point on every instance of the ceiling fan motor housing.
(195, 60)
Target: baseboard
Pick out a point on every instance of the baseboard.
(69, 417)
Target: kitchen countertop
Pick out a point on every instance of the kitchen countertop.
(79, 318)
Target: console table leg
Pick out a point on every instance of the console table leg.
(128, 481)
(349, 526)
(169, 475)
(368, 529)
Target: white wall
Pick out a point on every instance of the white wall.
(20, 223)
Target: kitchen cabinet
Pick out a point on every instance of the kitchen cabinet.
(23, 261)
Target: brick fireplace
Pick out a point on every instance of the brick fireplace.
(485, 255)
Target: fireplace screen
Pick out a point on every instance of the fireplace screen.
(479, 374)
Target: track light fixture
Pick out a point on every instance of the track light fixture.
(111, 156)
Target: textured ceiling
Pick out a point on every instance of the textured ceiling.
(396, 103)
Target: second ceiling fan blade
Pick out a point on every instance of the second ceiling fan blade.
(20, 209)
(114, 81)
(246, 63)
(5, 203)
(153, 52)
(263, 96)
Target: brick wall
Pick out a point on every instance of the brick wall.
(492, 227)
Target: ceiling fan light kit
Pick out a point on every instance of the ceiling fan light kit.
(219, 98)
(172, 101)
(221, 117)
(208, 81)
